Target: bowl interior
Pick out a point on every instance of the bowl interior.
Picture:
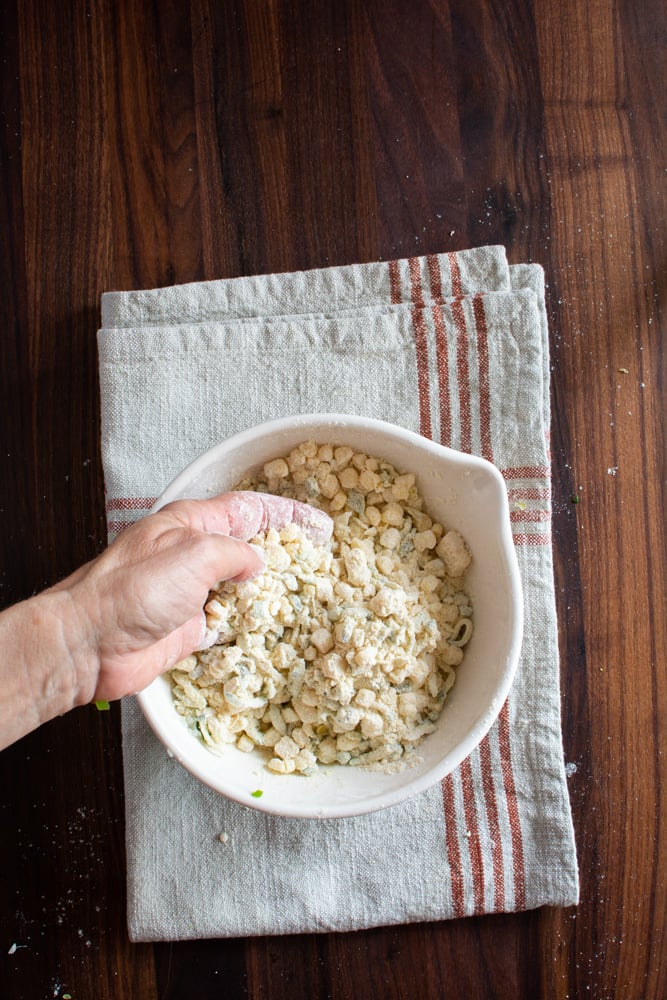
(463, 492)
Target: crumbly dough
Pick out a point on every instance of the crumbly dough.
(341, 653)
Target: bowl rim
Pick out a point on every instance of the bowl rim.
(451, 760)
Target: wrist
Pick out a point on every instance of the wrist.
(47, 664)
(74, 661)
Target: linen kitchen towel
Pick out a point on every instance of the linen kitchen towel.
(455, 347)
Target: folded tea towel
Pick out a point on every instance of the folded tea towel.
(454, 346)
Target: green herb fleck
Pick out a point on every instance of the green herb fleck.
(257, 794)
(574, 498)
(67, 996)
(102, 706)
(356, 501)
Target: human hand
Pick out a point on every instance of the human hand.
(140, 604)
(119, 621)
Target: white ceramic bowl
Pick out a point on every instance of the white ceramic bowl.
(462, 491)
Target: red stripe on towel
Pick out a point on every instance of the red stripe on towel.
(483, 362)
(394, 282)
(518, 869)
(526, 472)
(481, 337)
(421, 350)
(433, 264)
(442, 362)
(503, 727)
(455, 272)
(115, 527)
(494, 824)
(130, 503)
(529, 493)
(421, 347)
(465, 443)
(529, 539)
(472, 833)
(479, 863)
(416, 291)
(452, 845)
(533, 516)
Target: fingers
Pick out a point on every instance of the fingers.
(131, 606)
(244, 514)
(278, 512)
(141, 667)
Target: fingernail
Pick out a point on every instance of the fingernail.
(262, 555)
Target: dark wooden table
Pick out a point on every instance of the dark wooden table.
(145, 144)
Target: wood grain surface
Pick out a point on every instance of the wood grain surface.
(145, 144)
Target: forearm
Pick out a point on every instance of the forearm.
(44, 664)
